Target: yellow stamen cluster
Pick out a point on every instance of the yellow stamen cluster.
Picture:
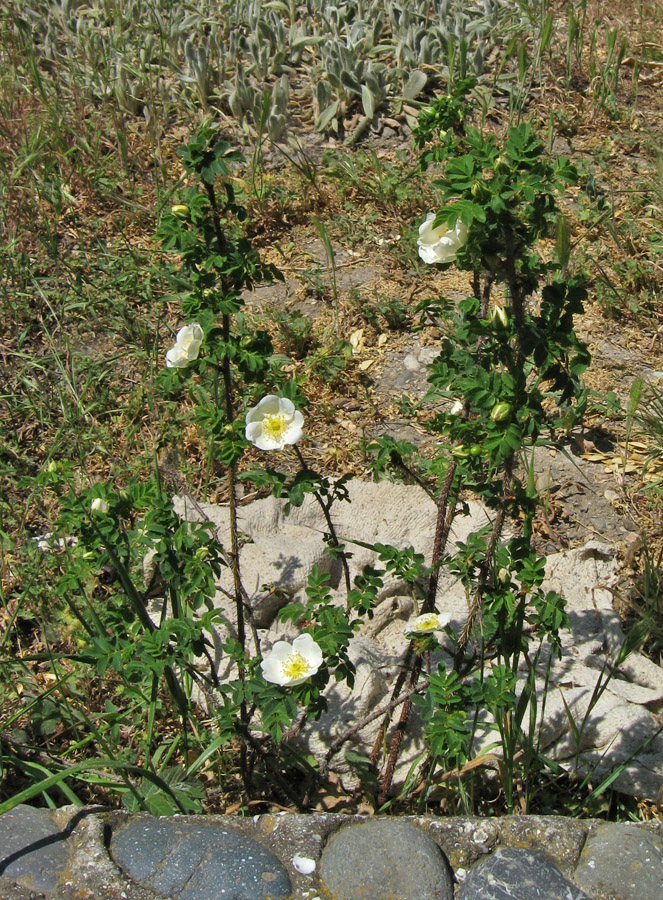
(274, 426)
(426, 622)
(295, 666)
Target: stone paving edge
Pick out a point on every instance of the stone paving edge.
(92, 873)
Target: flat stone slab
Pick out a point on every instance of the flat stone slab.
(34, 852)
(284, 549)
(385, 859)
(620, 862)
(198, 861)
(516, 874)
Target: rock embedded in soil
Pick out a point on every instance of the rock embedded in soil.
(621, 862)
(385, 858)
(515, 874)
(207, 862)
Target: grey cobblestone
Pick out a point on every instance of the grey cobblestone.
(73, 854)
(513, 873)
(622, 861)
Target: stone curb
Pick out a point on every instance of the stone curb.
(80, 854)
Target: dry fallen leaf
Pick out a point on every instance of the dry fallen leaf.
(357, 341)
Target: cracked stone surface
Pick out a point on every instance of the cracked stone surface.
(613, 726)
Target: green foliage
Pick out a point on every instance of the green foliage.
(366, 175)
(518, 377)
(297, 333)
(514, 374)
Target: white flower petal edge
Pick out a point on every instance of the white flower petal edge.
(303, 864)
(427, 623)
(440, 245)
(273, 423)
(290, 664)
(186, 347)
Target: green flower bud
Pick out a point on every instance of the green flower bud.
(99, 506)
(501, 411)
(180, 211)
(504, 576)
(475, 450)
(460, 452)
(499, 317)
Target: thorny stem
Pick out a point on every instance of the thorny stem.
(516, 295)
(445, 514)
(442, 527)
(398, 687)
(333, 537)
(398, 734)
(486, 566)
(338, 742)
(226, 371)
(248, 612)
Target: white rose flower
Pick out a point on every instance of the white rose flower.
(289, 664)
(273, 423)
(440, 245)
(457, 408)
(186, 346)
(427, 624)
(99, 506)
